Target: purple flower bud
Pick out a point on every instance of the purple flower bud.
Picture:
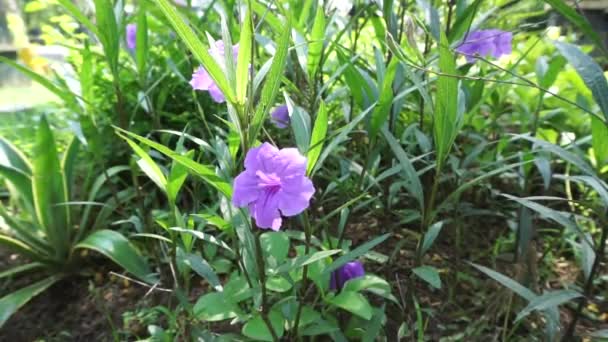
(485, 43)
(274, 183)
(350, 270)
(131, 36)
(201, 80)
(280, 117)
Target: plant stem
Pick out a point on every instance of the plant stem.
(307, 234)
(262, 275)
(599, 253)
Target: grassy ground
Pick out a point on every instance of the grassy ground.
(24, 96)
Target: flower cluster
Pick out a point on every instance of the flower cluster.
(484, 43)
(201, 80)
(274, 183)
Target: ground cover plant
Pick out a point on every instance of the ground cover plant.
(309, 170)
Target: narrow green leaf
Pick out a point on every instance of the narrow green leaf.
(49, 190)
(599, 141)
(464, 21)
(548, 300)
(197, 48)
(141, 39)
(21, 182)
(108, 32)
(204, 171)
(315, 46)
(63, 93)
(147, 165)
(68, 164)
(385, 102)
(115, 246)
(10, 303)
(355, 253)
(12, 272)
(202, 268)
(77, 14)
(414, 186)
(244, 58)
(272, 83)
(446, 124)
(570, 13)
(304, 260)
(590, 72)
(12, 156)
(430, 236)
(319, 132)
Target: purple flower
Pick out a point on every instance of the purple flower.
(274, 183)
(486, 42)
(201, 80)
(131, 36)
(280, 117)
(350, 270)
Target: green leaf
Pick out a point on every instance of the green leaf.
(19, 247)
(205, 237)
(63, 93)
(214, 307)
(177, 177)
(581, 22)
(197, 48)
(12, 272)
(315, 46)
(599, 141)
(507, 282)
(304, 260)
(446, 123)
(590, 72)
(272, 84)
(202, 268)
(21, 182)
(319, 132)
(147, 165)
(300, 124)
(68, 164)
(385, 102)
(340, 138)
(203, 171)
(548, 300)
(10, 303)
(275, 244)
(430, 236)
(552, 214)
(428, 274)
(49, 191)
(354, 303)
(77, 14)
(257, 330)
(11, 156)
(355, 253)
(244, 58)
(108, 32)
(116, 247)
(141, 39)
(413, 185)
(464, 21)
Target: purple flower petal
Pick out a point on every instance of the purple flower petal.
(201, 80)
(131, 36)
(274, 183)
(348, 271)
(280, 117)
(495, 43)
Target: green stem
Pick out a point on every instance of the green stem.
(262, 275)
(308, 235)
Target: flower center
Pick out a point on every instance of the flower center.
(270, 181)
